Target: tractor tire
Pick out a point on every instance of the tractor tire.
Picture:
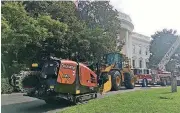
(129, 82)
(144, 83)
(116, 80)
(21, 77)
(163, 83)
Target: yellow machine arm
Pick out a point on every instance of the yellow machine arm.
(108, 85)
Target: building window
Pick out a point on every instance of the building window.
(134, 49)
(140, 71)
(140, 51)
(133, 63)
(140, 63)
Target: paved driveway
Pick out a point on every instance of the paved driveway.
(17, 103)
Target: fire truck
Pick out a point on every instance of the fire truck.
(162, 78)
(159, 75)
(143, 76)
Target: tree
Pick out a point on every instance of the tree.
(36, 8)
(161, 43)
(100, 14)
(80, 36)
(31, 30)
(23, 36)
(65, 13)
(18, 31)
(104, 22)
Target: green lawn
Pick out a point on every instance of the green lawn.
(158, 100)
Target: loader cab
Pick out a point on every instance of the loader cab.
(114, 58)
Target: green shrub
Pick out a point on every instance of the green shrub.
(5, 87)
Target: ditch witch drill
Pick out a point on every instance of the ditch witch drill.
(56, 79)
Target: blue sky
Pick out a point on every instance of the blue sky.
(148, 16)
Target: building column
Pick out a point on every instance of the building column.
(145, 63)
(127, 44)
(130, 48)
(136, 65)
(117, 41)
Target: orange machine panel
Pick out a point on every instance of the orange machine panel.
(87, 76)
(67, 72)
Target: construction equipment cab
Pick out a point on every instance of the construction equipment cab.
(117, 67)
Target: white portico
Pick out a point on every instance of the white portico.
(124, 34)
(136, 46)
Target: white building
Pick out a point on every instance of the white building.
(140, 50)
(136, 45)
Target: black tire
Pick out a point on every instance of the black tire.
(22, 76)
(178, 82)
(144, 83)
(127, 81)
(95, 96)
(163, 83)
(114, 76)
(168, 81)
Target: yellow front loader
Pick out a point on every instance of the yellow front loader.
(117, 67)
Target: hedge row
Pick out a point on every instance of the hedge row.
(5, 87)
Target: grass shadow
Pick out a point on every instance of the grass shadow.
(165, 93)
(166, 98)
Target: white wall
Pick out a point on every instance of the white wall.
(142, 43)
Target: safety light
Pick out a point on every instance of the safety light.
(34, 65)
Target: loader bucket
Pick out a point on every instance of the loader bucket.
(107, 86)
